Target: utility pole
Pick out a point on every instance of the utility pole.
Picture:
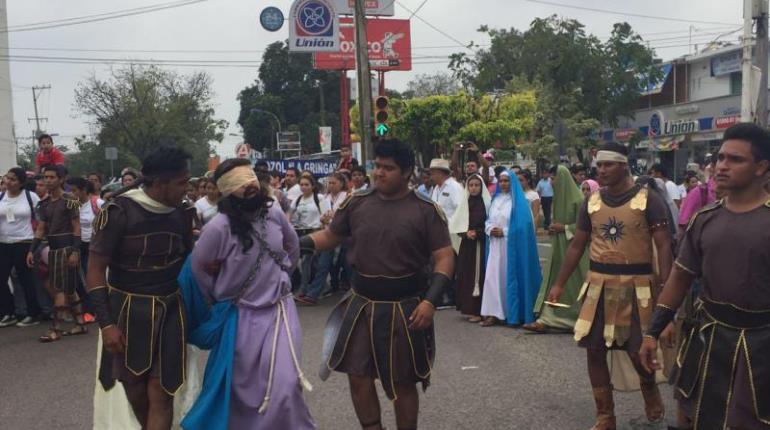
(746, 114)
(364, 84)
(37, 118)
(8, 144)
(762, 47)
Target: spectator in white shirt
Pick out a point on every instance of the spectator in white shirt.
(290, 184)
(525, 179)
(206, 206)
(660, 171)
(16, 233)
(306, 213)
(446, 192)
(335, 184)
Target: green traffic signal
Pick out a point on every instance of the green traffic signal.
(382, 129)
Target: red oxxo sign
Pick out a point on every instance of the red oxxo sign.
(390, 46)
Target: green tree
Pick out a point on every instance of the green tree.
(301, 97)
(139, 108)
(431, 124)
(601, 80)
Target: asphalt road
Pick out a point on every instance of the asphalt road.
(484, 378)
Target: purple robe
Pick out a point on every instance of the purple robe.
(257, 311)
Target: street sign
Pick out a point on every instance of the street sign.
(325, 139)
(271, 18)
(111, 153)
(389, 41)
(382, 129)
(313, 27)
(371, 7)
(289, 141)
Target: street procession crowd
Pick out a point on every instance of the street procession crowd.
(662, 281)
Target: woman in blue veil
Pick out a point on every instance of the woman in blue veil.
(513, 265)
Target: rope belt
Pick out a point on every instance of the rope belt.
(280, 314)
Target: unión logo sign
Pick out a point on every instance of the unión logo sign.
(660, 127)
(314, 27)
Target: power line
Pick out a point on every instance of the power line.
(98, 17)
(637, 15)
(442, 32)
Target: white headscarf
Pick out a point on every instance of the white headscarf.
(459, 222)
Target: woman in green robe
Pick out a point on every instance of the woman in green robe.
(567, 200)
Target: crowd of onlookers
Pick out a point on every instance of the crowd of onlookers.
(309, 202)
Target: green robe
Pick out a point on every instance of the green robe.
(567, 199)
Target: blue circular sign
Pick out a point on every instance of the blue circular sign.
(271, 18)
(314, 18)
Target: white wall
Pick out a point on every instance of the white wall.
(705, 86)
(7, 143)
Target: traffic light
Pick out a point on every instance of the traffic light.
(381, 116)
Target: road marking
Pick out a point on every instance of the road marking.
(469, 367)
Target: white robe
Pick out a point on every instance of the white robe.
(113, 412)
(494, 299)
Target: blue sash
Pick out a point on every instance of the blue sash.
(211, 328)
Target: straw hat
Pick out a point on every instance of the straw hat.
(440, 164)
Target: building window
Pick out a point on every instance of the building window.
(736, 81)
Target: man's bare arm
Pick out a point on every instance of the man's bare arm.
(323, 240)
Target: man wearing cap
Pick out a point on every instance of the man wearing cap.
(622, 221)
(143, 237)
(446, 192)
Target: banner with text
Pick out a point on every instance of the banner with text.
(319, 168)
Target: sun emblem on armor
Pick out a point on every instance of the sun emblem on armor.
(613, 230)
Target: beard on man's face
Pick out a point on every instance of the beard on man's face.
(248, 204)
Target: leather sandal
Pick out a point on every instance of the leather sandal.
(536, 327)
(489, 322)
(79, 329)
(53, 335)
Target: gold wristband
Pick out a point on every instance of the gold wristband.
(431, 304)
(666, 307)
(107, 326)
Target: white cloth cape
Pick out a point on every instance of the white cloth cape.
(459, 222)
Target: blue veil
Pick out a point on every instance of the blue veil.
(524, 273)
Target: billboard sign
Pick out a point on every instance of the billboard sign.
(313, 27)
(390, 46)
(371, 7)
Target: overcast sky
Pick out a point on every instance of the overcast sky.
(217, 25)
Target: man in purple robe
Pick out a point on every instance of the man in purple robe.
(244, 255)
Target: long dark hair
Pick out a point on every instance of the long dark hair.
(21, 176)
(315, 192)
(241, 222)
